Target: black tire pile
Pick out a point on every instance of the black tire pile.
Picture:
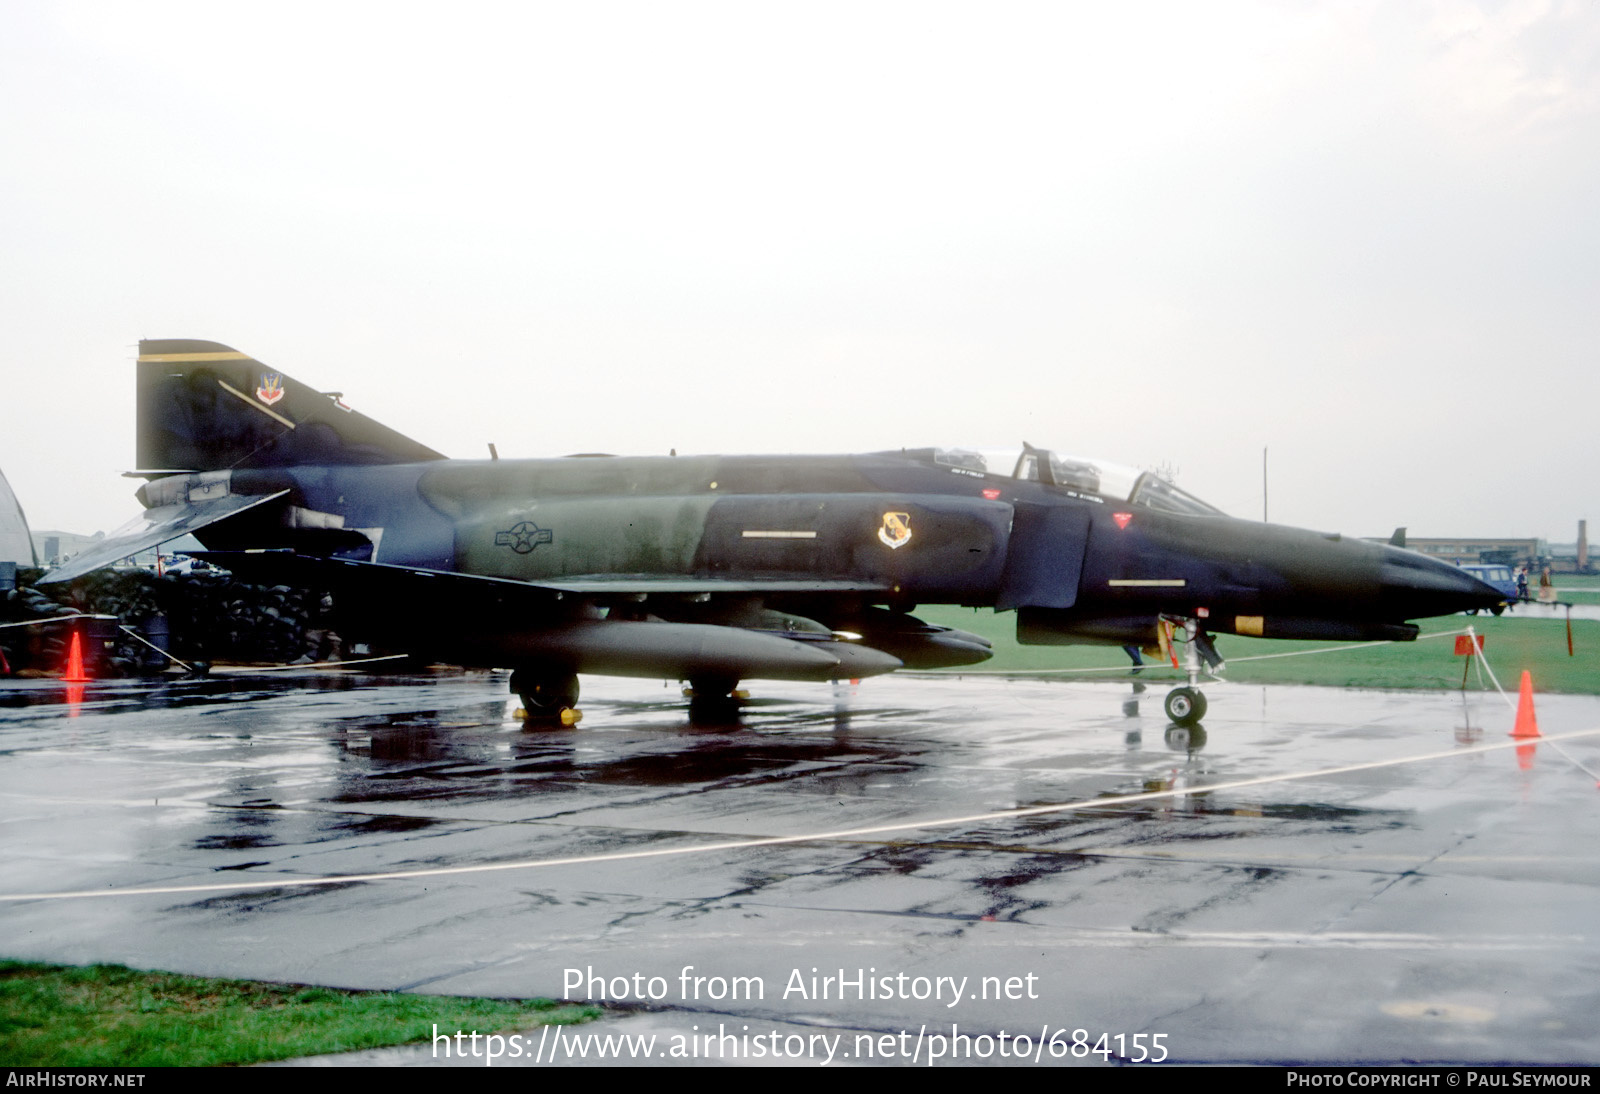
(198, 618)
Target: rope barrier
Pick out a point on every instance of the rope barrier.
(843, 834)
(1162, 667)
(136, 636)
(250, 670)
(46, 619)
(1482, 660)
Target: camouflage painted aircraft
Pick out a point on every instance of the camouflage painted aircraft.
(717, 569)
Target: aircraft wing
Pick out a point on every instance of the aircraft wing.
(472, 619)
(156, 526)
(283, 564)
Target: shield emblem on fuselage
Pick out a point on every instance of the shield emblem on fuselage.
(895, 530)
(270, 390)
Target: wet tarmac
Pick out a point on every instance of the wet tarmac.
(1319, 875)
(1533, 610)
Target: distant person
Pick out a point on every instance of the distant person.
(1547, 587)
(1522, 582)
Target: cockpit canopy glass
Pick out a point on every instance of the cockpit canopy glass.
(1111, 481)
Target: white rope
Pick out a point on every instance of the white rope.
(1483, 664)
(250, 670)
(46, 619)
(846, 834)
(1342, 649)
(1478, 655)
(136, 636)
(1160, 666)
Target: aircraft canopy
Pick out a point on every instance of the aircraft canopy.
(1111, 481)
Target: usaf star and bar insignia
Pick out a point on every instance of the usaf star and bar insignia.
(523, 537)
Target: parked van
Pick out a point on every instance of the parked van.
(1500, 577)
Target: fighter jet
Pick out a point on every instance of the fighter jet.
(718, 569)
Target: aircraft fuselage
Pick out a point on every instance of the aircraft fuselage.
(1080, 567)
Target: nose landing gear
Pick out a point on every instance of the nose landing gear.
(1187, 705)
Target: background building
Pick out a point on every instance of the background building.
(1560, 557)
(1511, 552)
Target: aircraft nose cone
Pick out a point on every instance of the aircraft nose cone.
(1413, 586)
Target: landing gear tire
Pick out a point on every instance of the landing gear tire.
(1186, 706)
(712, 690)
(1498, 609)
(547, 697)
(714, 702)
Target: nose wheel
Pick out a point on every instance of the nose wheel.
(1186, 706)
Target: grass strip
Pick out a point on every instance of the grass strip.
(111, 1016)
(1578, 588)
(1510, 645)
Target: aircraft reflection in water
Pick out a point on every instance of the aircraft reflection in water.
(715, 569)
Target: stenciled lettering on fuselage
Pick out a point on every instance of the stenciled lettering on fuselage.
(523, 537)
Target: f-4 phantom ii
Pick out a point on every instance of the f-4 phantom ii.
(717, 569)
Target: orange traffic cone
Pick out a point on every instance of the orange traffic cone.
(1527, 723)
(75, 673)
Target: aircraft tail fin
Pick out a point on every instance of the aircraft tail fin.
(204, 406)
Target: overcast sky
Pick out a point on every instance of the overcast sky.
(1364, 235)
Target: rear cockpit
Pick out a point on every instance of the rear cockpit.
(1096, 480)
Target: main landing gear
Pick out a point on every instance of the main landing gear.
(550, 697)
(1187, 705)
(719, 696)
